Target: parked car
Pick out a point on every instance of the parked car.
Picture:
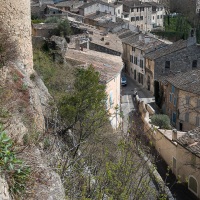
(123, 81)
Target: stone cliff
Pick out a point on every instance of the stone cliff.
(24, 96)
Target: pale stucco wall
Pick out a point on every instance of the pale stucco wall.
(113, 91)
(168, 149)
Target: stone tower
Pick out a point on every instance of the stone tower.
(15, 19)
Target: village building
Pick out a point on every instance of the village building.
(97, 40)
(44, 29)
(182, 100)
(135, 47)
(180, 150)
(109, 68)
(181, 56)
(145, 15)
(115, 9)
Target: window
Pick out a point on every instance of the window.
(192, 184)
(132, 19)
(138, 9)
(141, 17)
(157, 16)
(197, 120)
(187, 100)
(133, 48)
(160, 16)
(111, 99)
(141, 63)
(137, 18)
(194, 64)
(132, 9)
(170, 97)
(174, 163)
(187, 117)
(173, 89)
(167, 65)
(131, 58)
(135, 60)
(142, 9)
(174, 101)
(118, 11)
(174, 117)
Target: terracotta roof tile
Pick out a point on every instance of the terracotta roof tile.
(187, 81)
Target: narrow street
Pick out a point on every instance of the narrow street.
(133, 121)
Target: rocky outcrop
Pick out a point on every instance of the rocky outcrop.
(26, 98)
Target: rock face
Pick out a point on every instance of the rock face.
(25, 95)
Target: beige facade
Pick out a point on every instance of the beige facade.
(179, 154)
(149, 75)
(182, 107)
(109, 67)
(113, 102)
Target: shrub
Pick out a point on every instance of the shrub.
(14, 170)
(160, 120)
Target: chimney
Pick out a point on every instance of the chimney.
(191, 138)
(192, 37)
(174, 134)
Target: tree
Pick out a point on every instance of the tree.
(160, 120)
(84, 110)
(64, 28)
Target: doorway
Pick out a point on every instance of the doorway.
(180, 126)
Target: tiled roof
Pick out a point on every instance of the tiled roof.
(143, 42)
(136, 3)
(100, 2)
(107, 66)
(45, 26)
(124, 33)
(191, 141)
(75, 3)
(188, 81)
(167, 50)
(96, 15)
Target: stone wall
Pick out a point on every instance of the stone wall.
(179, 61)
(15, 19)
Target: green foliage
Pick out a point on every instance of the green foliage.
(87, 100)
(176, 28)
(64, 28)
(32, 76)
(161, 120)
(14, 170)
(52, 20)
(36, 21)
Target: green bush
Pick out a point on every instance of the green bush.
(14, 170)
(160, 120)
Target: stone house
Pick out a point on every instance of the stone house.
(180, 150)
(44, 29)
(106, 22)
(97, 40)
(144, 15)
(109, 68)
(71, 5)
(101, 6)
(182, 100)
(135, 47)
(183, 55)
